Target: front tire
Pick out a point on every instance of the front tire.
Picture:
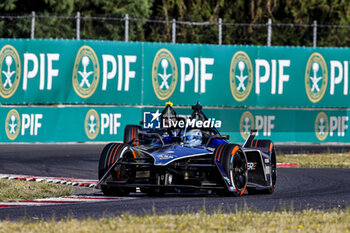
(111, 153)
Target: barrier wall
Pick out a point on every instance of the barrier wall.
(79, 124)
(66, 124)
(69, 90)
(106, 72)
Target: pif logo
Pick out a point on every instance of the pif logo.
(92, 124)
(10, 67)
(321, 126)
(12, 124)
(316, 77)
(246, 124)
(164, 74)
(265, 123)
(86, 72)
(27, 124)
(241, 76)
(104, 123)
(334, 126)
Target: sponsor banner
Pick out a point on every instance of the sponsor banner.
(70, 72)
(314, 126)
(246, 76)
(79, 124)
(65, 124)
(136, 73)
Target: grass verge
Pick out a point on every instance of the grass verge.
(241, 221)
(340, 160)
(24, 190)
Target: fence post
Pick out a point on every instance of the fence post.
(220, 31)
(315, 34)
(78, 25)
(174, 31)
(269, 32)
(32, 29)
(126, 34)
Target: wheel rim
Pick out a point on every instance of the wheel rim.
(239, 170)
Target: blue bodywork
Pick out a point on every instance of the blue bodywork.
(165, 154)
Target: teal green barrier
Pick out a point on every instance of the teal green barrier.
(135, 73)
(70, 72)
(65, 124)
(80, 124)
(314, 126)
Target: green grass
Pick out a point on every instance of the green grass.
(340, 160)
(25, 190)
(241, 221)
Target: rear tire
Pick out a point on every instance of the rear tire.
(234, 162)
(130, 133)
(270, 148)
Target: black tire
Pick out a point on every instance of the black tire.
(130, 133)
(270, 148)
(234, 162)
(111, 153)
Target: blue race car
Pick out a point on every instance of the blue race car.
(183, 157)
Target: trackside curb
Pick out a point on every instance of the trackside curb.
(287, 165)
(54, 180)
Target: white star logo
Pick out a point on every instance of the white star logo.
(155, 115)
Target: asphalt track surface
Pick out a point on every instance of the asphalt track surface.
(296, 188)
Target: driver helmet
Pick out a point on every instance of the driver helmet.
(193, 137)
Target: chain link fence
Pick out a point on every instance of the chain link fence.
(125, 28)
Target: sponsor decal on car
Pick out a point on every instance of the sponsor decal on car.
(165, 156)
(251, 166)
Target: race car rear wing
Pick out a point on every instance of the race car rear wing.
(250, 138)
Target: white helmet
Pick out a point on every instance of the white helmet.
(193, 137)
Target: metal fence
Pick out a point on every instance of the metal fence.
(140, 29)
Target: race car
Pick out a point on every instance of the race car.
(180, 157)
